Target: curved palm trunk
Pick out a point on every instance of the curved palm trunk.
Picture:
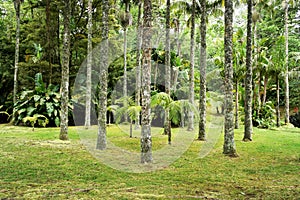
(65, 73)
(89, 68)
(146, 140)
(286, 80)
(248, 82)
(191, 72)
(17, 5)
(202, 101)
(167, 123)
(229, 144)
(138, 65)
(101, 139)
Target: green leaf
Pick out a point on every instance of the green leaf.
(57, 121)
(50, 108)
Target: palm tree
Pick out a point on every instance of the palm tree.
(286, 80)
(248, 79)
(65, 73)
(167, 124)
(17, 5)
(229, 144)
(125, 22)
(101, 139)
(202, 101)
(89, 68)
(192, 63)
(146, 141)
(138, 63)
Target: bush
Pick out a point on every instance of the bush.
(42, 101)
(266, 117)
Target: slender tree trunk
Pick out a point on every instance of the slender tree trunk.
(89, 68)
(101, 139)
(146, 140)
(265, 89)
(248, 86)
(17, 5)
(138, 65)
(202, 101)
(286, 80)
(49, 32)
(229, 144)
(130, 132)
(167, 124)
(277, 101)
(191, 72)
(236, 124)
(65, 73)
(125, 73)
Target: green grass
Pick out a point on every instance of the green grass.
(35, 165)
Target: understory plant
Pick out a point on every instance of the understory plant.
(38, 107)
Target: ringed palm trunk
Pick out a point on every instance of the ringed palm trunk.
(167, 124)
(17, 5)
(125, 72)
(138, 65)
(65, 73)
(248, 81)
(146, 140)
(101, 138)
(286, 80)
(202, 101)
(89, 68)
(191, 72)
(229, 144)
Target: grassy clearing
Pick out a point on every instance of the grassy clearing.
(35, 165)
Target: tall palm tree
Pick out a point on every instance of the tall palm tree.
(101, 139)
(89, 68)
(65, 72)
(167, 123)
(192, 63)
(286, 80)
(248, 79)
(202, 101)
(17, 5)
(146, 141)
(138, 64)
(125, 22)
(229, 144)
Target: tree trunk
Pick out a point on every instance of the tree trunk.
(265, 89)
(236, 124)
(277, 101)
(89, 68)
(101, 139)
(191, 72)
(17, 5)
(167, 124)
(146, 140)
(65, 73)
(138, 65)
(229, 144)
(125, 74)
(286, 80)
(202, 101)
(130, 132)
(248, 86)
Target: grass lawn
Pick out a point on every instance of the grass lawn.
(35, 165)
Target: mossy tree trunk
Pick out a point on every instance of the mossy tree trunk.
(248, 82)
(65, 72)
(229, 147)
(146, 140)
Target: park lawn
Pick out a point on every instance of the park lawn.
(35, 165)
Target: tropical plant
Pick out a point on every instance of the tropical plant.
(266, 117)
(42, 101)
